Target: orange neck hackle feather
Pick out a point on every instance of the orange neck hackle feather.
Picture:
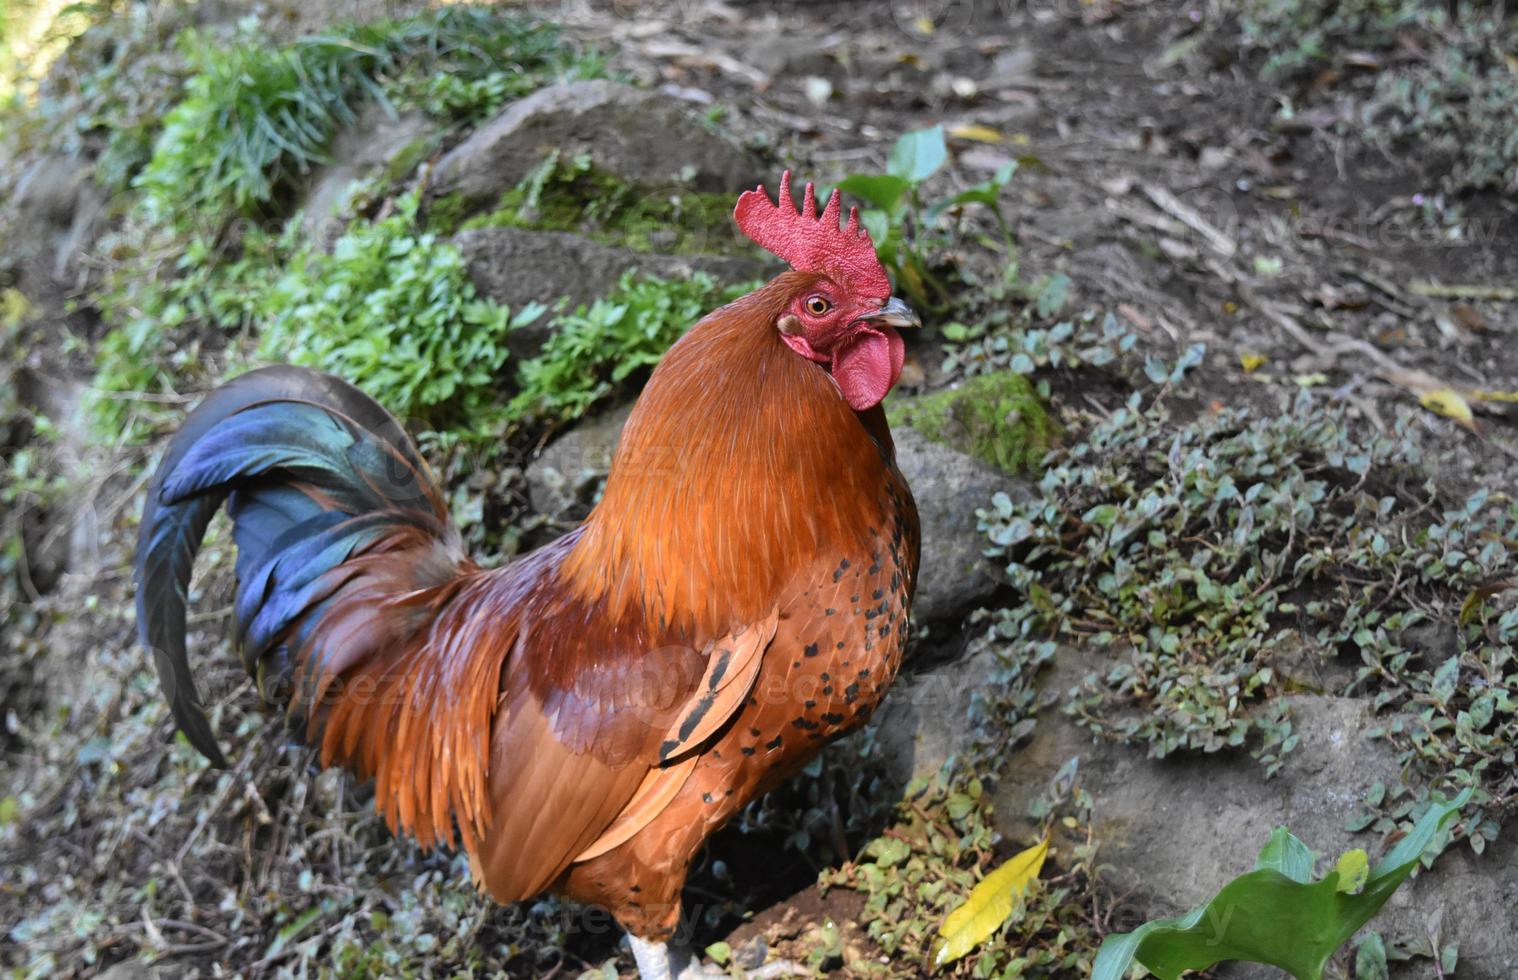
(740, 463)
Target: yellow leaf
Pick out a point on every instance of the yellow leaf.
(1495, 396)
(977, 133)
(1252, 362)
(1449, 403)
(1354, 871)
(13, 307)
(990, 905)
(924, 25)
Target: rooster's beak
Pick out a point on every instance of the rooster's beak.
(894, 313)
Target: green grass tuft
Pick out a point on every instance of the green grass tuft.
(255, 119)
(392, 309)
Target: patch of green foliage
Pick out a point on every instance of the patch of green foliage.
(171, 323)
(1278, 914)
(1148, 538)
(997, 418)
(1452, 713)
(905, 227)
(1001, 343)
(1456, 101)
(596, 348)
(572, 195)
(1460, 105)
(181, 283)
(941, 844)
(1196, 551)
(392, 310)
(255, 118)
(1299, 33)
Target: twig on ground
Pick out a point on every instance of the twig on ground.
(1191, 218)
(1500, 294)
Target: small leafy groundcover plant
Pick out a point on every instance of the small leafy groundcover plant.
(895, 201)
(1276, 914)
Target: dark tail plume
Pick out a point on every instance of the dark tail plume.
(313, 472)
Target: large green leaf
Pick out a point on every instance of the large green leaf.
(1286, 854)
(918, 155)
(887, 192)
(1273, 914)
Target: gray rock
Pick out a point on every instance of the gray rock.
(515, 266)
(925, 716)
(53, 218)
(377, 143)
(643, 138)
(949, 486)
(567, 477)
(128, 970)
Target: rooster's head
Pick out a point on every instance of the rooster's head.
(842, 314)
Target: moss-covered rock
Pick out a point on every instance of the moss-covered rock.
(576, 197)
(997, 418)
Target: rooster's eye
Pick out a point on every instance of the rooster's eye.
(817, 305)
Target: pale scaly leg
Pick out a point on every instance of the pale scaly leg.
(658, 961)
(661, 961)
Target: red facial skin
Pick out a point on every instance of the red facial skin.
(862, 355)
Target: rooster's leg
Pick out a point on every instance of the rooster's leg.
(661, 961)
(658, 961)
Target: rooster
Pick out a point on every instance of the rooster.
(583, 718)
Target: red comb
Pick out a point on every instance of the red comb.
(813, 243)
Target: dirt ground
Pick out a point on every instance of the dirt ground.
(1156, 172)
(1159, 177)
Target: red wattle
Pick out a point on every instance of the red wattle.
(867, 365)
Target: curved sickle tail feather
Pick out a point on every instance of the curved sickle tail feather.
(330, 501)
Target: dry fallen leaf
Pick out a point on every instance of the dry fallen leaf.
(990, 905)
(976, 133)
(1473, 602)
(1449, 403)
(1469, 317)
(1495, 396)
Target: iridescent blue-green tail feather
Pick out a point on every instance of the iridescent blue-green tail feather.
(312, 472)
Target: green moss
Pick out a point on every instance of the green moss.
(445, 214)
(576, 197)
(995, 417)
